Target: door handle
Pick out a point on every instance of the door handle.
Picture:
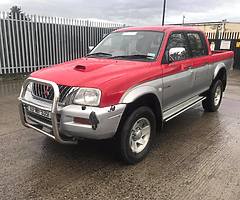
(186, 67)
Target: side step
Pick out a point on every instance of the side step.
(177, 110)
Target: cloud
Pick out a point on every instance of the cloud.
(132, 12)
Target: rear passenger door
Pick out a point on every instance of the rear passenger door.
(200, 65)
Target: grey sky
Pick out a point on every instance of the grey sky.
(132, 12)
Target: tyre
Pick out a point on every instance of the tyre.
(136, 135)
(214, 97)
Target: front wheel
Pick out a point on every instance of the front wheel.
(136, 135)
(214, 97)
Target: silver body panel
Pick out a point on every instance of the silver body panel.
(108, 121)
(202, 79)
(177, 89)
(152, 87)
(217, 66)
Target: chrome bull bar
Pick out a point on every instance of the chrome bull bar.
(53, 111)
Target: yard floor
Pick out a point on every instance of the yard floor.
(196, 156)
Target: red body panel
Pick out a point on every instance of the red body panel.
(114, 77)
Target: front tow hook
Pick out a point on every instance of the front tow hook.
(94, 120)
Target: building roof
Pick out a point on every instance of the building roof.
(206, 23)
(168, 28)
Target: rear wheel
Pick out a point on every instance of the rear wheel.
(214, 97)
(136, 135)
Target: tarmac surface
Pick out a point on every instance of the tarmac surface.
(196, 156)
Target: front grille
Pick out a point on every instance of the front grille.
(46, 91)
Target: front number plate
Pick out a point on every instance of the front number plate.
(38, 111)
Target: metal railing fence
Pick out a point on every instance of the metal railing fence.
(223, 35)
(233, 39)
(31, 42)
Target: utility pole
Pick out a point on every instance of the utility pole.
(163, 15)
(183, 18)
(223, 25)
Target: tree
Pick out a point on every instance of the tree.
(16, 9)
(16, 13)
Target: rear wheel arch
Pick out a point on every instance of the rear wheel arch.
(214, 97)
(221, 74)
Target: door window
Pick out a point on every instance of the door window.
(177, 48)
(197, 44)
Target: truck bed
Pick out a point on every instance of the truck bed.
(220, 55)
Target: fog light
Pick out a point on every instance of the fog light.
(80, 120)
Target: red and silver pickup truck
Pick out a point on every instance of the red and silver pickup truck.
(132, 82)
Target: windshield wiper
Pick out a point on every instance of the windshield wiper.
(135, 56)
(99, 54)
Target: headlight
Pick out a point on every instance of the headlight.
(88, 97)
(29, 87)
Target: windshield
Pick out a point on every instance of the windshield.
(137, 45)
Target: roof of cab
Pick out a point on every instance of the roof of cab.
(159, 28)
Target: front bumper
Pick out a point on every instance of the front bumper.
(61, 126)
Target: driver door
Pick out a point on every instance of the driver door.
(177, 71)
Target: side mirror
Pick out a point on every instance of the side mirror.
(177, 54)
